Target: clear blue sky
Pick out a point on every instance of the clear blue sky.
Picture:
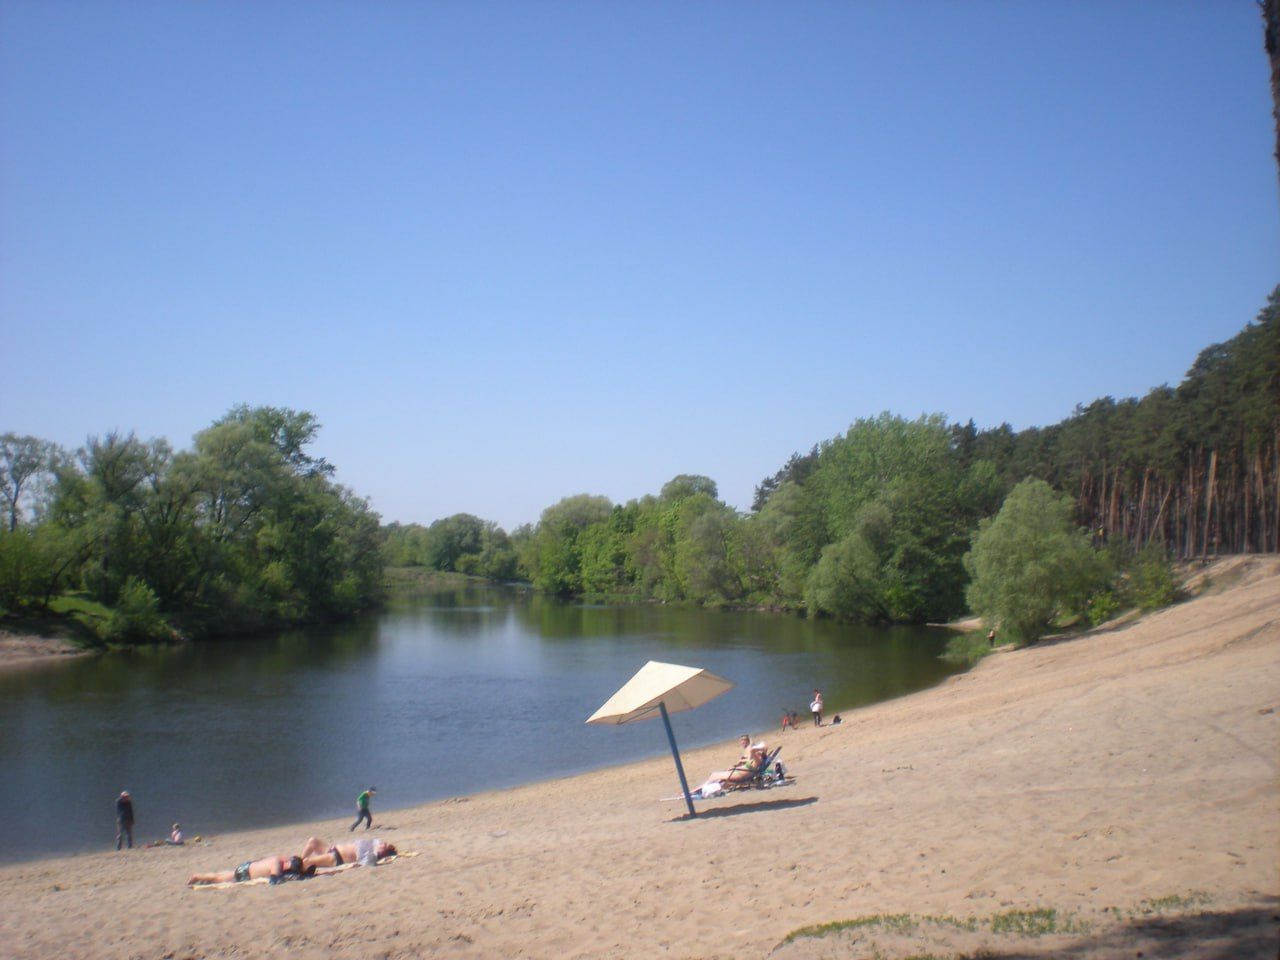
(510, 252)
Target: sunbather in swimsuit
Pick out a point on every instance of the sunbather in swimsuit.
(752, 759)
(323, 854)
(272, 868)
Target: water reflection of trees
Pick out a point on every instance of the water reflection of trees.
(162, 666)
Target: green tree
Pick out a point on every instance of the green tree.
(107, 509)
(23, 461)
(288, 432)
(704, 550)
(896, 489)
(688, 485)
(244, 530)
(1151, 579)
(795, 471)
(602, 547)
(35, 563)
(793, 528)
(1030, 564)
(558, 556)
(525, 548)
(404, 544)
(845, 583)
(452, 538)
(497, 557)
(136, 617)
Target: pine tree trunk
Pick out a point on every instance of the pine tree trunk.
(1177, 525)
(1116, 522)
(1188, 509)
(1252, 492)
(1155, 526)
(1275, 494)
(1140, 533)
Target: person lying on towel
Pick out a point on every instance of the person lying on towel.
(322, 853)
(275, 869)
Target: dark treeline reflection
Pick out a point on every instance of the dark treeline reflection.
(448, 693)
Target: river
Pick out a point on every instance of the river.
(447, 692)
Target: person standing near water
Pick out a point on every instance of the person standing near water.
(124, 819)
(362, 810)
(816, 707)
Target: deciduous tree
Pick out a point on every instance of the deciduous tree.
(1031, 563)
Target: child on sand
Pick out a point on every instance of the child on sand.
(362, 810)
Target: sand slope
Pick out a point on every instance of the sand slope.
(1130, 765)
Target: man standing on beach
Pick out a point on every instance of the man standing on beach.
(816, 708)
(124, 819)
(362, 810)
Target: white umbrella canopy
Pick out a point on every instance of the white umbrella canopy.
(663, 688)
(679, 687)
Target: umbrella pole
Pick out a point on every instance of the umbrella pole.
(671, 738)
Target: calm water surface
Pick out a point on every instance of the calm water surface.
(445, 693)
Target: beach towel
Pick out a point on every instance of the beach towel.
(714, 790)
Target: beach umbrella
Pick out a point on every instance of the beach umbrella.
(661, 689)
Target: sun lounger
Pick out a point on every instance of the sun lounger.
(766, 778)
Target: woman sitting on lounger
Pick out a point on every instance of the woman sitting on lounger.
(321, 853)
(748, 764)
(273, 868)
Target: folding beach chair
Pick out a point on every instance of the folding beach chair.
(763, 778)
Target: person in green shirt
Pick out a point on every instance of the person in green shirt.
(362, 810)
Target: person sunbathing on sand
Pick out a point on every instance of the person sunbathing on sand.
(323, 854)
(748, 764)
(274, 868)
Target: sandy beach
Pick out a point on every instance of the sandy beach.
(1127, 780)
(19, 650)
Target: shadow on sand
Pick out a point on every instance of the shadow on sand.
(763, 806)
(1248, 933)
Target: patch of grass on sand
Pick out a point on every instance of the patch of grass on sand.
(968, 923)
(897, 922)
(1026, 923)
(1175, 902)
